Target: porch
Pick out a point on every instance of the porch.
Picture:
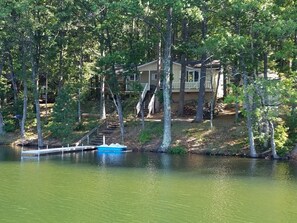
(191, 86)
(131, 85)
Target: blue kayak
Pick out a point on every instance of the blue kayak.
(112, 147)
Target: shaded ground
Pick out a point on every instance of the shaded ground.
(225, 138)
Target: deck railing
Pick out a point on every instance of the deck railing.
(191, 85)
(175, 85)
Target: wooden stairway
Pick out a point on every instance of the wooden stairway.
(97, 139)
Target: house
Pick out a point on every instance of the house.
(148, 78)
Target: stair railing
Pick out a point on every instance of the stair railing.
(144, 91)
(87, 137)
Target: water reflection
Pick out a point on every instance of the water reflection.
(220, 167)
(110, 158)
(9, 153)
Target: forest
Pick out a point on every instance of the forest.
(73, 51)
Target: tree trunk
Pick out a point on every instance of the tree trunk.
(121, 117)
(60, 78)
(272, 141)
(237, 79)
(217, 86)
(201, 94)
(181, 102)
(79, 106)
(102, 99)
(265, 63)
(154, 104)
(159, 66)
(248, 98)
(1, 117)
(166, 84)
(236, 106)
(12, 78)
(212, 102)
(35, 65)
(142, 114)
(46, 97)
(1, 124)
(25, 105)
(25, 99)
(225, 83)
(81, 63)
(118, 104)
(1, 64)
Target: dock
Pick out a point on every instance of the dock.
(62, 150)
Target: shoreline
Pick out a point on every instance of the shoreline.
(192, 152)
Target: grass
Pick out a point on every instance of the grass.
(151, 131)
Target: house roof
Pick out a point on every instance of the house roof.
(198, 63)
(155, 61)
(190, 65)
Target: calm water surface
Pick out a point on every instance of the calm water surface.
(137, 187)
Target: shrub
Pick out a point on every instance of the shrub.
(10, 125)
(177, 150)
(281, 139)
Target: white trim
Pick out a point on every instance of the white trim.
(155, 61)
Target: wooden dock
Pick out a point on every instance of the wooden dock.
(61, 150)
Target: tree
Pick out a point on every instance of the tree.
(183, 68)
(1, 124)
(167, 82)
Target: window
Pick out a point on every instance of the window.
(196, 78)
(190, 76)
(154, 75)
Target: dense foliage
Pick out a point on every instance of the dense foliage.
(46, 46)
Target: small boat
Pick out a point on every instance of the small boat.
(112, 147)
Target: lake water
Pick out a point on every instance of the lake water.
(145, 187)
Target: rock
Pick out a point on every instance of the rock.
(293, 154)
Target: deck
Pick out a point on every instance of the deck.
(62, 150)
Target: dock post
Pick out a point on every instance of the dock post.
(47, 146)
(88, 140)
(103, 139)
